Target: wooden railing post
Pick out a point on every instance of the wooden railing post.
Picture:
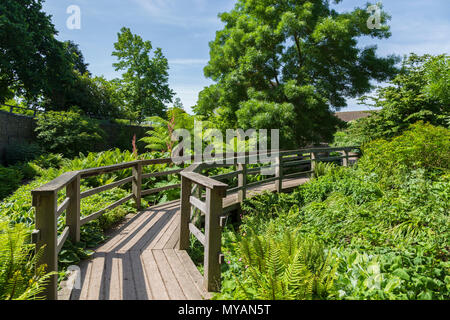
(73, 210)
(213, 238)
(185, 212)
(345, 160)
(137, 184)
(45, 203)
(314, 158)
(242, 182)
(279, 173)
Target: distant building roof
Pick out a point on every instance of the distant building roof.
(352, 115)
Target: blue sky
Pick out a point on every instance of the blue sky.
(183, 29)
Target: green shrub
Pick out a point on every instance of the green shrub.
(20, 277)
(422, 146)
(9, 181)
(22, 152)
(67, 133)
(390, 240)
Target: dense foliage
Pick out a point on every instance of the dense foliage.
(144, 83)
(289, 65)
(418, 93)
(160, 138)
(378, 231)
(67, 132)
(20, 277)
(33, 63)
(17, 208)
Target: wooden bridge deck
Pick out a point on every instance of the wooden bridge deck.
(140, 260)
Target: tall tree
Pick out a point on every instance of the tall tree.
(77, 57)
(418, 93)
(290, 64)
(145, 80)
(32, 62)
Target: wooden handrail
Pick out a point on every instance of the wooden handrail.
(47, 209)
(212, 208)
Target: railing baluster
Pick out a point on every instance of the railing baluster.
(279, 173)
(242, 182)
(213, 239)
(73, 210)
(46, 206)
(137, 184)
(314, 159)
(185, 212)
(345, 161)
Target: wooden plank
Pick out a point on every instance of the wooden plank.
(152, 272)
(197, 233)
(261, 182)
(86, 271)
(110, 280)
(128, 286)
(193, 272)
(62, 207)
(172, 242)
(140, 280)
(297, 174)
(136, 186)
(213, 235)
(236, 189)
(110, 186)
(185, 212)
(57, 184)
(99, 213)
(73, 210)
(136, 240)
(45, 216)
(169, 223)
(115, 292)
(164, 236)
(186, 284)
(61, 239)
(198, 204)
(170, 282)
(92, 172)
(127, 232)
(95, 290)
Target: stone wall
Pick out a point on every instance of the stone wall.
(18, 129)
(15, 129)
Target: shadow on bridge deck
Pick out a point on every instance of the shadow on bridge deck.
(140, 261)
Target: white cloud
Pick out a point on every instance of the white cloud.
(171, 12)
(188, 61)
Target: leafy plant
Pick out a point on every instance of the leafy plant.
(384, 223)
(67, 133)
(9, 180)
(20, 276)
(22, 152)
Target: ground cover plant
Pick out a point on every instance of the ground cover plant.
(16, 210)
(375, 231)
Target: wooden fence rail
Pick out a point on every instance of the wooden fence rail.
(47, 210)
(302, 161)
(193, 182)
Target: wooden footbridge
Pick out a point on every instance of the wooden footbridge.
(145, 257)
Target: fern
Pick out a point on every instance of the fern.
(287, 268)
(20, 278)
